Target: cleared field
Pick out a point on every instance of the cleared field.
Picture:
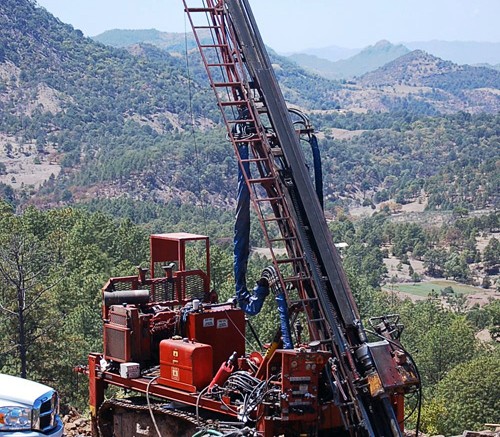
(425, 288)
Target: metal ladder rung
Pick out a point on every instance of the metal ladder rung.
(304, 301)
(207, 27)
(248, 140)
(241, 121)
(254, 160)
(200, 9)
(276, 219)
(278, 240)
(261, 180)
(321, 319)
(288, 260)
(296, 279)
(268, 199)
(221, 64)
(212, 46)
(226, 84)
(234, 103)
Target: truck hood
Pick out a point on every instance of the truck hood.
(20, 391)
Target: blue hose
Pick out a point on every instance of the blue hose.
(251, 302)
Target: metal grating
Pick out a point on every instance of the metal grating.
(116, 344)
(163, 290)
(118, 319)
(194, 287)
(45, 409)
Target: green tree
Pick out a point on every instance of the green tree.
(434, 260)
(491, 255)
(493, 313)
(53, 265)
(221, 265)
(439, 338)
(342, 230)
(456, 267)
(25, 283)
(457, 302)
(415, 277)
(419, 250)
(371, 301)
(478, 317)
(468, 396)
(367, 261)
(486, 282)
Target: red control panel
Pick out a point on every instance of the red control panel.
(300, 372)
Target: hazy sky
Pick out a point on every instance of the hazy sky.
(288, 25)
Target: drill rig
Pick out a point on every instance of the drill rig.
(185, 357)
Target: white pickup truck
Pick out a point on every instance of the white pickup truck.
(28, 409)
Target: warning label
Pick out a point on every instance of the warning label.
(209, 321)
(175, 373)
(222, 323)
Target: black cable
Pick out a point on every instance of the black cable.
(254, 333)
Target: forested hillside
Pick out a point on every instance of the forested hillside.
(452, 159)
(64, 257)
(82, 121)
(421, 69)
(123, 39)
(83, 103)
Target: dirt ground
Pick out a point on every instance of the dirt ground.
(25, 167)
(417, 206)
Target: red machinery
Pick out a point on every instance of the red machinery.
(165, 336)
(185, 357)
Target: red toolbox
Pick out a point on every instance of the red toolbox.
(186, 365)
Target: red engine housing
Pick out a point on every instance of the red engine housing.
(126, 335)
(223, 327)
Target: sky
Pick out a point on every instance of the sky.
(293, 25)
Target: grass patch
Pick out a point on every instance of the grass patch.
(426, 288)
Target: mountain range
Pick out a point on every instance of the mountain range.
(381, 77)
(164, 40)
(332, 62)
(366, 60)
(459, 52)
(82, 121)
(373, 57)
